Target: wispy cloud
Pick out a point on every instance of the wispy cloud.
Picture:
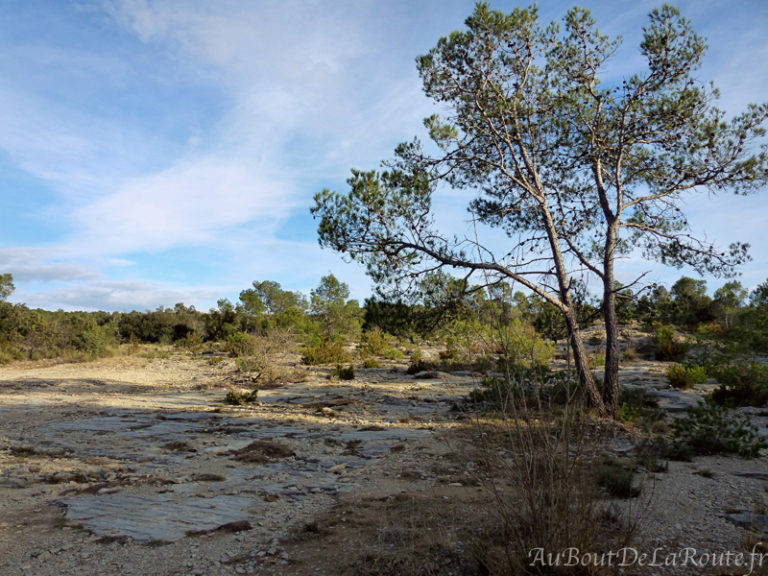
(121, 296)
(37, 264)
(190, 203)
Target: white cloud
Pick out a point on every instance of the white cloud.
(190, 203)
(122, 296)
(39, 264)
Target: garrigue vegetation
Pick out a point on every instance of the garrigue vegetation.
(723, 336)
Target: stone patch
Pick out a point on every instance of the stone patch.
(207, 470)
(750, 520)
(157, 517)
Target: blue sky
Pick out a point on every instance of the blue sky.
(163, 151)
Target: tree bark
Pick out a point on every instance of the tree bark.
(611, 373)
(581, 360)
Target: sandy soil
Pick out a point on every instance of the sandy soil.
(131, 465)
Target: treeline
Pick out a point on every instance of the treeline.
(34, 334)
(439, 308)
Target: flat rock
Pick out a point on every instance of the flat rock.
(749, 520)
(158, 517)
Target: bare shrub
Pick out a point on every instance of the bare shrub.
(541, 465)
(262, 361)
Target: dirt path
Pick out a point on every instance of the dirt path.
(137, 467)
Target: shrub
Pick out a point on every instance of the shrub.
(240, 344)
(377, 343)
(250, 364)
(319, 350)
(666, 347)
(651, 453)
(8, 355)
(94, 342)
(686, 376)
(392, 354)
(192, 341)
(629, 355)
(638, 406)
(596, 339)
(484, 364)
(596, 360)
(538, 385)
(540, 465)
(370, 363)
(418, 366)
(344, 372)
(275, 375)
(241, 397)
(617, 479)
(712, 429)
(447, 354)
(741, 384)
(521, 345)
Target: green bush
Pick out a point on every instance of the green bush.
(652, 452)
(318, 350)
(638, 406)
(9, 354)
(377, 343)
(596, 339)
(484, 364)
(241, 397)
(521, 345)
(666, 348)
(686, 376)
(343, 372)
(741, 384)
(419, 366)
(596, 360)
(95, 341)
(617, 479)
(250, 364)
(712, 429)
(392, 354)
(629, 355)
(538, 385)
(241, 344)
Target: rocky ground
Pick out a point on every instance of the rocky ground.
(133, 465)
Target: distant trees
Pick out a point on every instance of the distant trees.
(727, 302)
(690, 303)
(338, 316)
(468, 320)
(6, 286)
(759, 296)
(273, 306)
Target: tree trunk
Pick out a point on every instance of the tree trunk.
(611, 374)
(586, 379)
(581, 360)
